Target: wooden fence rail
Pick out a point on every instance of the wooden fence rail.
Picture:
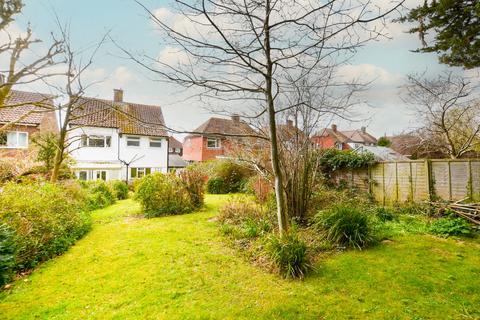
(417, 180)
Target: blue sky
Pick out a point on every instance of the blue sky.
(386, 61)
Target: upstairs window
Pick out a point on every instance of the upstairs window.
(96, 141)
(155, 142)
(133, 141)
(13, 139)
(213, 143)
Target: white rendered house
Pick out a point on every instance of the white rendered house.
(113, 139)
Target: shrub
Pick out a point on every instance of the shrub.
(194, 182)
(7, 253)
(99, 194)
(451, 226)
(216, 186)
(345, 226)
(241, 209)
(46, 219)
(162, 194)
(120, 189)
(384, 214)
(289, 254)
(7, 171)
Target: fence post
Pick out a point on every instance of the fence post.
(470, 179)
(396, 182)
(449, 181)
(428, 170)
(383, 184)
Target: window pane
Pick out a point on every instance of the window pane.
(148, 170)
(84, 141)
(22, 139)
(155, 143)
(82, 175)
(12, 139)
(133, 141)
(133, 172)
(213, 143)
(95, 141)
(108, 141)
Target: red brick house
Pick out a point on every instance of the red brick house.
(343, 140)
(209, 141)
(24, 114)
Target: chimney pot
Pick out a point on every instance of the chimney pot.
(235, 117)
(334, 127)
(117, 95)
(364, 129)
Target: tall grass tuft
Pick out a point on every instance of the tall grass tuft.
(289, 254)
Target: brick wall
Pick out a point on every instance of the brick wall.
(327, 143)
(195, 149)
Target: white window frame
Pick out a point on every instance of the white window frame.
(16, 146)
(86, 175)
(142, 171)
(155, 140)
(133, 139)
(97, 172)
(338, 145)
(218, 143)
(85, 141)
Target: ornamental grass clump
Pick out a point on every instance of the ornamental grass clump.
(289, 255)
(345, 226)
(162, 194)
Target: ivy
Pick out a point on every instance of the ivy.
(333, 160)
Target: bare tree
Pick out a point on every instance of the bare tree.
(73, 88)
(251, 51)
(449, 108)
(20, 69)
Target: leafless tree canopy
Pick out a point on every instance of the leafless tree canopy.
(255, 52)
(449, 108)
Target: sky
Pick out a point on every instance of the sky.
(386, 62)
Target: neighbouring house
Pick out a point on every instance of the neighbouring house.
(211, 140)
(24, 115)
(175, 152)
(343, 140)
(114, 139)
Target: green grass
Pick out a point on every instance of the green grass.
(179, 267)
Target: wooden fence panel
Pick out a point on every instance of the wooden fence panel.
(475, 180)
(403, 181)
(441, 179)
(404, 177)
(419, 181)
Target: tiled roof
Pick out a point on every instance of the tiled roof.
(337, 135)
(25, 107)
(174, 143)
(359, 136)
(224, 126)
(130, 118)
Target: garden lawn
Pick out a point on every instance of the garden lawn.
(179, 267)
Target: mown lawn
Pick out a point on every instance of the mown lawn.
(180, 268)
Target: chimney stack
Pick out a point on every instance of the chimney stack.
(364, 130)
(235, 117)
(334, 127)
(117, 95)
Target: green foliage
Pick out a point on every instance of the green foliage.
(384, 214)
(451, 226)
(345, 225)
(47, 147)
(225, 176)
(7, 171)
(7, 253)
(46, 219)
(216, 186)
(162, 194)
(99, 194)
(120, 189)
(455, 26)
(332, 160)
(384, 142)
(289, 254)
(194, 183)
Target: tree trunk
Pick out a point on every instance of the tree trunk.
(279, 188)
(57, 162)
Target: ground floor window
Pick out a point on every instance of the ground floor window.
(86, 175)
(101, 175)
(83, 175)
(139, 172)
